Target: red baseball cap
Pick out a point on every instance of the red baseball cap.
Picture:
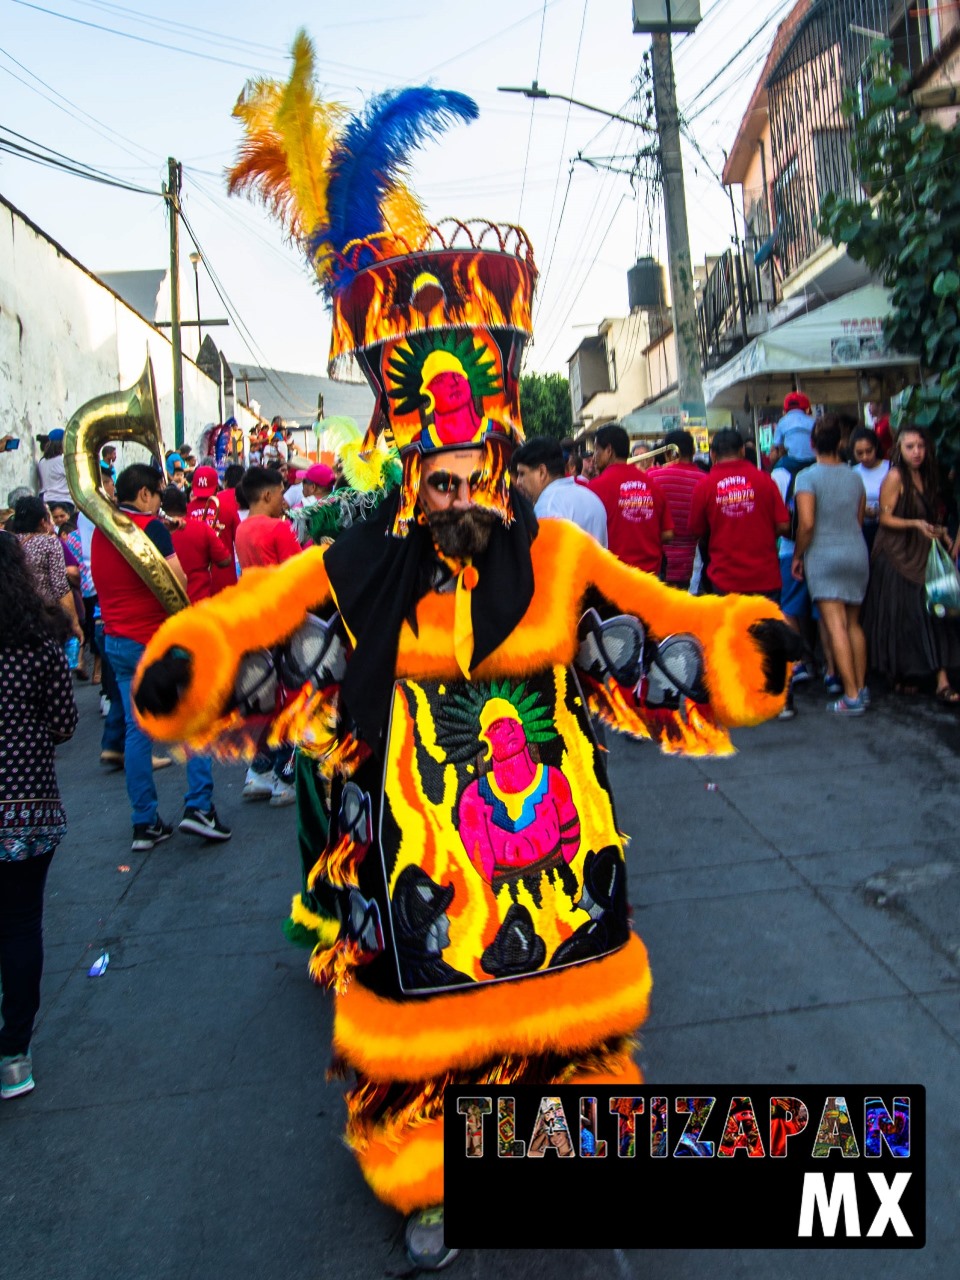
(205, 480)
(796, 400)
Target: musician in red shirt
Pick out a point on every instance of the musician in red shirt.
(198, 548)
(638, 519)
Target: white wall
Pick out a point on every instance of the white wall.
(65, 338)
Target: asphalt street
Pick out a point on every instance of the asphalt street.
(801, 917)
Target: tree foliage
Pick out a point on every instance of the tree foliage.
(906, 228)
(545, 405)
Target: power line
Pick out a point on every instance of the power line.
(57, 160)
(704, 88)
(533, 107)
(170, 24)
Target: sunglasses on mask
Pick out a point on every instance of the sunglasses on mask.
(446, 482)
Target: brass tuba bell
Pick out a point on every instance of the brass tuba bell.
(120, 415)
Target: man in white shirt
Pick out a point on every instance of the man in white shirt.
(538, 467)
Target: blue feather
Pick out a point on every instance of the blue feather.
(371, 155)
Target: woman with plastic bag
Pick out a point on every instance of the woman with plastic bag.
(906, 641)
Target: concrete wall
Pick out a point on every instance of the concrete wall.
(65, 338)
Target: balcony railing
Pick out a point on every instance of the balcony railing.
(734, 293)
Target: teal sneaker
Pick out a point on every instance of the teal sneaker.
(16, 1075)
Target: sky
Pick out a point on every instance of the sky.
(123, 103)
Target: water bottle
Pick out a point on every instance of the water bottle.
(72, 650)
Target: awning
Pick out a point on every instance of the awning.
(824, 350)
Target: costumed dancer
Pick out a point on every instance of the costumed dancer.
(473, 864)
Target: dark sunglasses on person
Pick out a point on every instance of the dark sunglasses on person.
(448, 482)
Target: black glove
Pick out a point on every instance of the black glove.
(779, 644)
(164, 682)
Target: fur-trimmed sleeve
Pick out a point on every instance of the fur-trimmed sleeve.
(735, 672)
(262, 610)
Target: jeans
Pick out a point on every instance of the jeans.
(124, 655)
(21, 949)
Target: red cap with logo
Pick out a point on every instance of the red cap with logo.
(205, 481)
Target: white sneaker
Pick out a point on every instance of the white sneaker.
(258, 786)
(282, 794)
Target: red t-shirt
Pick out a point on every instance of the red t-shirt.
(637, 514)
(221, 513)
(198, 549)
(740, 507)
(677, 481)
(263, 540)
(127, 605)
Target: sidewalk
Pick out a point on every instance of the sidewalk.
(802, 925)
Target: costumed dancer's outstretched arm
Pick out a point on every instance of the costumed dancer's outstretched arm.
(185, 682)
(747, 645)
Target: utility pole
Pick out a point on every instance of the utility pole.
(690, 382)
(171, 192)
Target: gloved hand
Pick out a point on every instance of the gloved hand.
(164, 682)
(779, 645)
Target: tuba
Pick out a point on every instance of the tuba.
(120, 415)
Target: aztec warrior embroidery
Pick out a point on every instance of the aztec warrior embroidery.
(498, 834)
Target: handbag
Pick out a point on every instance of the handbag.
(941, 583)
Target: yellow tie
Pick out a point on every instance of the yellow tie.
(463, 619)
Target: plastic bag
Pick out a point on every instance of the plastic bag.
(942, 583)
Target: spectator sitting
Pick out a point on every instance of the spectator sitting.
(677, 481)
(792, 434)
(741, 510)
(638, 519)
(264, 538)
(539, 468)
(198, 548)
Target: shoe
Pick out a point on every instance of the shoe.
(112, 758)
(833, 685)
(789, 710)
(206, 824)
(282, 794)
(161, 762)
(257, 786)
(863, 697)
(846, 707)
(423, 1237)
(104, 706)
(148, 834)
(16, 1075)
(801, 673)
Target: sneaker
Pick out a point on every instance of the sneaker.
(161, 762)
(423, 1237)
(846, 707)
(801, 673)
(148, 834)
(832, 684)
(789, 710)
(258, 786)
(206, 824)
(113, 759)
(104, 706)
(16, 1075)
(864, 697)
(282, 794)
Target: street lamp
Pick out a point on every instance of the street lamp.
(196, 259)
(534, 91)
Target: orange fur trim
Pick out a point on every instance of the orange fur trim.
(563, 1011)
(265, 607)
(409, 1175)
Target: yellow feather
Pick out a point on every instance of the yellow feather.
(308, 129)
(403, 215)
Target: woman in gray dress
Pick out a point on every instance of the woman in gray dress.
(831, 553)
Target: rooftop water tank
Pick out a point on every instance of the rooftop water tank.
(646, 285)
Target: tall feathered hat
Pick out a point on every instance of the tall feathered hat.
(435, 316)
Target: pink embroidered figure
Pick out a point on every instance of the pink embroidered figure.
(519, 819)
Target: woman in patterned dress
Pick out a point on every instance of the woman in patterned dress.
(37, 711)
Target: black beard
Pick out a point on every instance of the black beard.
(462, 535)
